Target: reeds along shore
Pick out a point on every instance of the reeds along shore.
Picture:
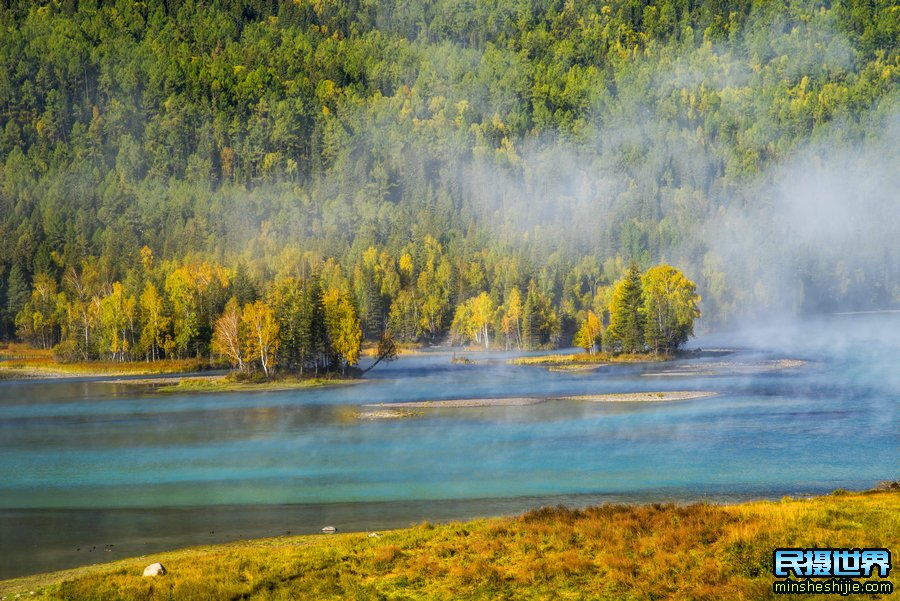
(697, 551)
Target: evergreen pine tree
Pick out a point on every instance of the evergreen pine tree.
(18, 292)
(626, 319)
(287, 300)
(243, 288)
(313, 333)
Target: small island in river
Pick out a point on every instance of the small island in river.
(214, 383)
(579, 361)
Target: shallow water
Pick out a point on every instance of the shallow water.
(86, 464)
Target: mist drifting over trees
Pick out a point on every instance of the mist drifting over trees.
(416, 155)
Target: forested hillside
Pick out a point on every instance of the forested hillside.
(414, 154)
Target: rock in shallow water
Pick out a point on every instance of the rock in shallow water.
(329, 530)
(155, 569)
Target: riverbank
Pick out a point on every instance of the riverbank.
(19, 362)
(605, 552)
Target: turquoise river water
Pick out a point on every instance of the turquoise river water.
(92, 471)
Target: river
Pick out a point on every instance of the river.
(93, 471)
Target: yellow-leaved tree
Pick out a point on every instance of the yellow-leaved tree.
(260, 337)
(474, 319)
(512, 317)
(226, 340)
(117, 320)
(671, 304)
(342, 323)
(589, 334)
(155, 322)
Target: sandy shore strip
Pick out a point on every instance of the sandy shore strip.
(384, 414)
(623, 397)
(577, 367)
(786, 363)
(640, 397)
(678, 373)
(462, 403)
(723, 368)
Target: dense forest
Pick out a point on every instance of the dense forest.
(408, 160)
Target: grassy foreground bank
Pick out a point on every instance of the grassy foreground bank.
(607, 552)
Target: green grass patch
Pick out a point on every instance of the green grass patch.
(695, 551)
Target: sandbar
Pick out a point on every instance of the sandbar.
(461, 403)
(641, 397)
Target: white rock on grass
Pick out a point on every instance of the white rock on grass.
(329, 530)
(155, 569)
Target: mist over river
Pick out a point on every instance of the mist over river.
(95, 470)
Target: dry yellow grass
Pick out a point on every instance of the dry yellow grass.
(557, 360)
(617, 552)
(21, 361)
(215, 384)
